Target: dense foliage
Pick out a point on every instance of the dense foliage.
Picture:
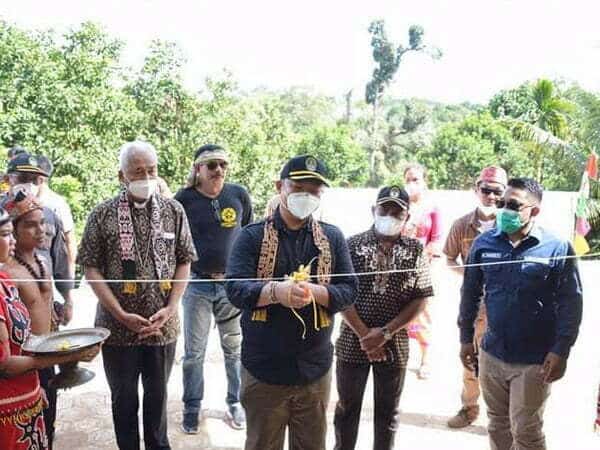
(70, 98)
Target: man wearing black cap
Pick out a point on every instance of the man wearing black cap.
(216, 212)
(287, 323)
(373, 334)
(57, 203)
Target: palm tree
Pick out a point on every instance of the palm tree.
(545, 129)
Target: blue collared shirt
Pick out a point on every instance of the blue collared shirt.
(532, 295)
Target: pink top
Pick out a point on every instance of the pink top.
(425, 225)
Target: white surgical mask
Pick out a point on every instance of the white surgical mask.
(413, 189)
(487, 211)
(302, 204)
(388, 225)
(143, 188)
(28, 188)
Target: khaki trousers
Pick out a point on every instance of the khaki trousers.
(471, 392)
(515, 399)
(271, 408)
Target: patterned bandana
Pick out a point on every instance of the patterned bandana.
(212, 155)
(21, 204)
(129, 245)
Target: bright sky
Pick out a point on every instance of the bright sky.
(488, 45)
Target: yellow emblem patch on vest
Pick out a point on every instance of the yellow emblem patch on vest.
(228, 218)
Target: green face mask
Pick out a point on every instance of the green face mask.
(508, 221)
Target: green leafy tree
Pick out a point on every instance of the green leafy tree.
(59, 99)
(538, 116)
(387, 58)
(346, 161)
(460, 150)
(169, 113)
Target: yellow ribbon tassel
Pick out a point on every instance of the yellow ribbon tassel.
(324, 320)
(165, 286)
(320, 316)
(259, 315)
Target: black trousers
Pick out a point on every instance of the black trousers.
(124, 365)
(388, 380)
(46, 376)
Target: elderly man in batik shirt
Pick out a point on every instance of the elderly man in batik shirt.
(136, 236)
(373, 334)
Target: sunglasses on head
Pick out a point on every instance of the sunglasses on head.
(513, 205)
(212, 165)
(488, 191)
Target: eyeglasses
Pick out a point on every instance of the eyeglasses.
(513, 205)
(216, 210)
(488, 191)
(212, 165)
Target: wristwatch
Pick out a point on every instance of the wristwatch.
(387, 334)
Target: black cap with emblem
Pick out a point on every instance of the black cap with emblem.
(393, 194)
(304, 167)
(25, 162)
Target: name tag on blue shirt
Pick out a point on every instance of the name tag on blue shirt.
(494, 255)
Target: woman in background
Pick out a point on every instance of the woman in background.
(424, 225)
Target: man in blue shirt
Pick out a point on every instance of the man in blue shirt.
(287, 323)
(532, 291)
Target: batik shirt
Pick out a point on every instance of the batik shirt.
(100, 248)
(381, 297)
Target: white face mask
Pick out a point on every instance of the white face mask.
(28, 188)
(302, 204)
(413, 189)
(487, 211)
(388, 225)
(143, 189)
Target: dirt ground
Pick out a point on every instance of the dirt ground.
(84, 417)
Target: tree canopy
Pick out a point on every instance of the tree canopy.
(70, 97)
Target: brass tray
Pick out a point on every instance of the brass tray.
(65, 341)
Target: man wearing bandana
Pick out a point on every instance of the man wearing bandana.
(287, 322)
(31, 270)
(529, 282)
(25, 173)
(136, 251)
(216, 211)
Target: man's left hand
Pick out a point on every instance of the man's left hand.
(157, 320)
(160, 317)
(378, 355)
(553, 368)
(372, 340)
